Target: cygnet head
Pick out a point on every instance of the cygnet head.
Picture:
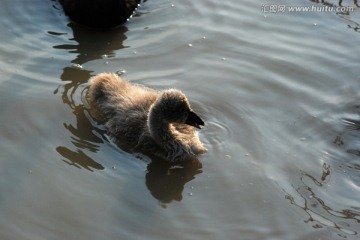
(174, 107)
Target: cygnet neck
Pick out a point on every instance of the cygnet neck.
(159, 126)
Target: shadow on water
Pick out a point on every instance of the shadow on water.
(88, 45)
(334, 3)
(330, 198)
(309, 198)
(337, 3)
(343, 9)
(348, 142)
(164, 181)
(94, 44)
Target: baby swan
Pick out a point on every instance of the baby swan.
(160, 123)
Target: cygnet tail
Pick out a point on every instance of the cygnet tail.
(102, 86)
(105, 93)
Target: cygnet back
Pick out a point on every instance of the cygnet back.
(145, 120)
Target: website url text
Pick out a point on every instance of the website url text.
(274, 8)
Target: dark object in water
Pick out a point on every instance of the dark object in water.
(99, 13)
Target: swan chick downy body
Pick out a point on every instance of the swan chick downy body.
(142, 119)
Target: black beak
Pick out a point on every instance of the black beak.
(194, 120)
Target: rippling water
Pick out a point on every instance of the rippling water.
(278, 90)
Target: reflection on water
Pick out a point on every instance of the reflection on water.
(330, 197)
(164, 180)
(284, 149)
(93, 44)
(355, 26)
(336, 3)
(355, 2)
(343, 11)
(348, 139)
(320, 213)
(78, 159)
(88, 45)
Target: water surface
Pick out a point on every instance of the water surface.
(278, 92)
